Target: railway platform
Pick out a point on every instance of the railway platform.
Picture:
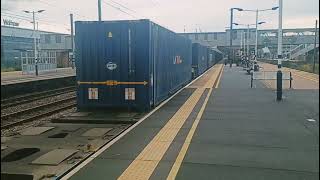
(217, 128)
(17, 76)
(15, 83)
(302, 80)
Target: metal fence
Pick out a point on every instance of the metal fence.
(47, 61)
(271, 75)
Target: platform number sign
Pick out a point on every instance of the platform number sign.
(93, 93)
(130, 94)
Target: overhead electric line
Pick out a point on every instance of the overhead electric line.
(123, 6)
(64, 9)
(119, 9)
(29, 19)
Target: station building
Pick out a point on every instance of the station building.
(17, 44)
(296, 42)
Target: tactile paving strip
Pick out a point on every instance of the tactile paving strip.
(143, 166)
(146, 162)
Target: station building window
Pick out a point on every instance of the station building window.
(205, 36)
(47, 38)
(215, 36)
(58, 38)
(234, 35)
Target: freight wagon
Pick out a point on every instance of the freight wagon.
(211, 57)
(129, 64)
(218, 55)
(214, 56)
(199, 59)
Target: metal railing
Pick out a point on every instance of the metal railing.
(271, 75)
(47, 61)
(301, 50)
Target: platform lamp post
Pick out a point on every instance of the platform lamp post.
(241, 43)
(315, 47)
(256, 43)
(280, 34)
(99, 10)
(248, 31)
(257, 23)
(246, 38)
(231, 33)
(35, 38)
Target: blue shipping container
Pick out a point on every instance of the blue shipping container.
(129, 64)
(199, 59)
(211, 57)
(218, 56)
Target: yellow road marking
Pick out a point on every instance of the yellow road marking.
(146, 162)
(177, 164)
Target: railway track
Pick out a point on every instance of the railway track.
(10, 102)
(36, 112)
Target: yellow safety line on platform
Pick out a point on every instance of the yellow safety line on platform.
(211, 82)
(307, 74)
(146, 162)
(308, 78)
(217, 85)
(177, 164)
(302, 74)
(143, 166)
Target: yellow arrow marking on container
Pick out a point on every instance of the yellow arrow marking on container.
(113, 83)
(141, 83)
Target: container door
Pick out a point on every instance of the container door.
(111, 64)
(128, 66)
(154, 58)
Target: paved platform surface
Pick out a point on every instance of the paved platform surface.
(218, 128)
(301, 79)
(18, 77)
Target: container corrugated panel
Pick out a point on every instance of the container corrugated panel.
(211, 57)
(129, 64)
(199, 58)
(218, 56)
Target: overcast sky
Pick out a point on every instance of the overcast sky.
(177, 15)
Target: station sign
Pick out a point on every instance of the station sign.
(8, 22)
